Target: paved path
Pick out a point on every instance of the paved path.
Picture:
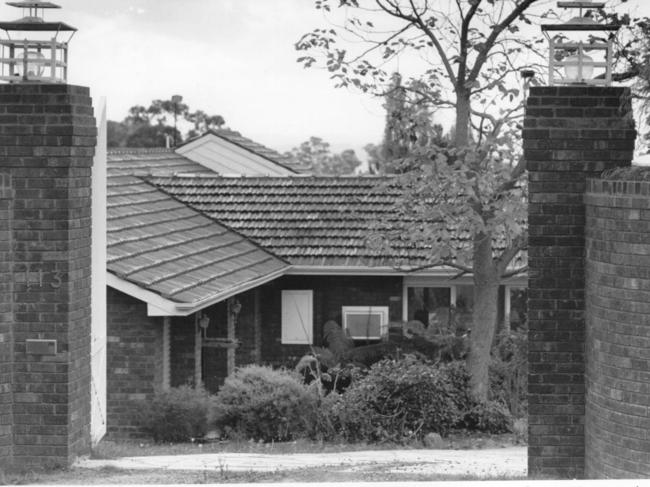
(487, 463)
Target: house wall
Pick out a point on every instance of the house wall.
(330, 294)
(182, 346)
(134, 363)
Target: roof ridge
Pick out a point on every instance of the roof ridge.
(297, 177)
(139, 150)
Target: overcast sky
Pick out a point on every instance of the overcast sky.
(229, 57)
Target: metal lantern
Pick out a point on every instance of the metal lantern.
(33, 51)
(582, 61)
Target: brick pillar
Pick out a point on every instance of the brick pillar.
(6, 320)
(570, 134)
(47, 141)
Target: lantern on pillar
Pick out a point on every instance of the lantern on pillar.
(34, 50)
(580, 56)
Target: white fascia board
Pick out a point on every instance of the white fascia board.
(270, 168)
(329, 270)
(441, 273)
(159, 306)
(156, 304)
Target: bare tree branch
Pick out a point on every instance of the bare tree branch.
(464, 44)
(496, 31)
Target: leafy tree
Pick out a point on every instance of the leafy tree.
(408, 126)
(152, 126)
(316, 154)
(464, 201)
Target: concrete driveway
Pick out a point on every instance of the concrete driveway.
(488, 463)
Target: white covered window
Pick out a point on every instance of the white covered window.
(365, 322)
(297, 317)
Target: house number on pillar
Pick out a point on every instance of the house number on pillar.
(34, 278)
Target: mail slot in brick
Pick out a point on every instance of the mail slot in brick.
(41, 347)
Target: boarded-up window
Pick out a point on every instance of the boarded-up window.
(365, 322)
(297, 317)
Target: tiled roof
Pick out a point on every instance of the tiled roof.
(306, 220)
(167, 247)
(144, 162)
(259, 149)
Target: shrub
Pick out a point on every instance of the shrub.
(509, 372)
(260, 403)
(398, 400)
(490, 417)
(458, 380)
(176, 415)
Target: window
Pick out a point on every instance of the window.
(297, 317)
(365, 322)
(431, 306)
(516, 307)
(446, 309)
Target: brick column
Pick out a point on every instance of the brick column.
(47, 141)
(6, 320)
(570, 134)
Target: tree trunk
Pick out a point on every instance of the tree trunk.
(461, 136)
(484, 317)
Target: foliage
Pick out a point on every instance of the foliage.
(509, 371)
(321, 370)
(398, 400)
(463, 197)
(175, 415)
(152, 126)
(317, 155)
(260, 403)
(408, 126)
(489, 417)
(468, 53)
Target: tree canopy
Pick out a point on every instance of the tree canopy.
(160, 122)
(316, 154)
(464, 195)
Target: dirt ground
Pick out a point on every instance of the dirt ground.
(384, 465)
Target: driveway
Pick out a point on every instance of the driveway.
(486, 464)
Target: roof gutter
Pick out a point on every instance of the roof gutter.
(188, 308)
(329, 270)
(159, 306)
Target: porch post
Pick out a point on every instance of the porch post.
(198, 349)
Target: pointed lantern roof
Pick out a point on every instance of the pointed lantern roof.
(33, 22)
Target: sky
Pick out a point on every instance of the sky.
(235, 58)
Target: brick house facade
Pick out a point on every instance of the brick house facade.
(207, 273)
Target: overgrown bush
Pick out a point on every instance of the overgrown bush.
(176, 415)
(509, 372)
(397, 400)
(260, 403)
(491, 417)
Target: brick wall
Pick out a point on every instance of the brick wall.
(182, 350)
(47, 141)
(570, 134)
(134, 360)
(330, 294)
(618, 327)
(6, 320)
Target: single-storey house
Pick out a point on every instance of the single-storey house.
(222, 253)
